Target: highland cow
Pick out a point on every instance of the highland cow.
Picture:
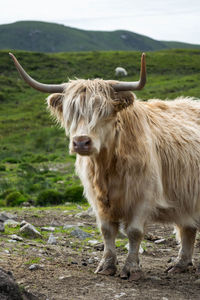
(138, 161)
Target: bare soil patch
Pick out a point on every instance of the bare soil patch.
(66, 270)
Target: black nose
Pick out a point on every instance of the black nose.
(81, 143)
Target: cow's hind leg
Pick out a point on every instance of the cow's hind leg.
(131, 269)
(107, 265)
(187, 238)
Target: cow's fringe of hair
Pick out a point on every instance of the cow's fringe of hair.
(88, 99)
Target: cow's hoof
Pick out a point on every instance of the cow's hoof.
(177, 269)
(131, 275)
(106, 270)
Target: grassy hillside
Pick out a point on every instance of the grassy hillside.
(33, 151)
(50, 37)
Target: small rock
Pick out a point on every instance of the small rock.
(30, 230)
(2, 227)
(99, 247)
(64, 277)
(11, 223)
(7, 251)
(122, 294)
(5, 216)
(197, 281)
(68, 226)
(52, 239)
(92, 242)
(16, 238)
(91, 261)
(164, 298)
(8, 286)
(23, 223)
(12, 241)
(49, 229)
(160, 241)
(86, 214)
(36, 267)
(80, 234)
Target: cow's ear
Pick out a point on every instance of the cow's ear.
(123, 100)
(55, 105)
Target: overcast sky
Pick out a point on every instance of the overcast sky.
(177, 20)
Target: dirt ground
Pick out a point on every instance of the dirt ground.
(66, 270)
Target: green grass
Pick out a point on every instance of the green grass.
(33, 150)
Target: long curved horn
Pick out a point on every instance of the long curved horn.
(46, 88)
(137, 85)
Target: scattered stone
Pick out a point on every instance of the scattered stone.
(151, 237)
(49, 229)
(197, 281)
(68, 226)
(26, 204)
(8, 287)
(86, 214)
(164, 298)
(11, 223)
(160, 241)
(23, 223)
(5, 216)
(30, 230)
(118, 296)
(91, 261)
(52, 239)
(80, 234)
(34, 267)
(16, 238)
(12, 241)
(99, 247)
(93, 242)
(2, 227)
(7, 251)
(64, 277)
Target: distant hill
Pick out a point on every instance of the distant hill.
(51, 37)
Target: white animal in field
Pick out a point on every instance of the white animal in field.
(119, 71)
(139, 162)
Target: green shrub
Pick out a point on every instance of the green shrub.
(2, 168)
(2, 97)
(28, 168)
(49, 197)
(2, 203)
(12, 160)
(74, 194)
(15, 199)
(38, 158)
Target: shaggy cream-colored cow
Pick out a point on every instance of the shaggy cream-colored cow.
(138, 161)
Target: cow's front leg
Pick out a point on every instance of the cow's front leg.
(187, 237)
(131, 269)
(107, 265)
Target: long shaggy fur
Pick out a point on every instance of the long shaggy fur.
(151, 160)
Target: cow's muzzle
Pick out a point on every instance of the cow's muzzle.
(82, 145)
